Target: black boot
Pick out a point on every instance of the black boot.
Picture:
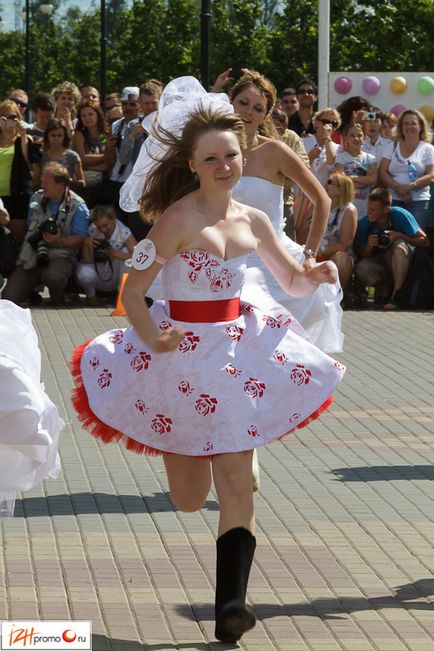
(233, 617)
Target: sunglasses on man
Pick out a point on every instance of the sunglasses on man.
(18, 102)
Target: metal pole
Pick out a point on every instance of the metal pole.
(323, 52)
(27, 75)
(205, 19)
(103, 51)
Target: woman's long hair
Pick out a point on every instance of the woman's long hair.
(171, 179)
(267, 90)
(101, 122)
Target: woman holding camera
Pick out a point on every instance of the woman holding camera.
(15, 177)
(109, 245)
(407, 166)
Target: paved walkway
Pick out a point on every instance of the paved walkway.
(345, 559)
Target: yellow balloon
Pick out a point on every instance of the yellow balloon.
(427, 112)
(398, 85)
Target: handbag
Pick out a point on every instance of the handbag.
(92, 177)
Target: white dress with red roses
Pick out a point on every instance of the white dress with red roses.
(320, 314)
(229, 386)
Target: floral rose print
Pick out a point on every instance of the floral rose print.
(141, 407)
(129, 348)
(300, 375)
(339, 366)
(141, 361)
(208, 447)
(234, 331)
(161, 424)
(294, 418)
(284, 320)
(117, 337)
(246, 307)
(253, 431)
(253, 388)
(229, 368)
(104, 378)
(205, 405)
(185, 388)
(189, 343)
(198, 260)
(94, 361)
(280, 357)
(271, 321)
(165, 325)
(222, 281)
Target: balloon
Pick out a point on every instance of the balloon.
(425, 85)
(427, 112)
(343, 85)
(398, 85)
(371, 85)
(397, 109)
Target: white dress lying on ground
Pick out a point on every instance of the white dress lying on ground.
(29, 422)
(320, 314)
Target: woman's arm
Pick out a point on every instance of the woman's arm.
(385, 177)
(88, 160)
(370, 178)
(130, 243)
(78, 174)
(294, 279)
(347, 233)
(292, 167)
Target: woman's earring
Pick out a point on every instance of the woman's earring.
(196, 176)
(244, 161)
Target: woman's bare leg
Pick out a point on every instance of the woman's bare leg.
(189, 480)
(235, 545)
(233, 483)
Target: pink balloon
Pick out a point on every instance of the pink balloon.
(371, 85)
(397, 109)
(343, 85)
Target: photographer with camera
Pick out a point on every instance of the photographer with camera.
(102, 263)
(58, 223)
(384, 243)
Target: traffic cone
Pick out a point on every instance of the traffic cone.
(119, 309)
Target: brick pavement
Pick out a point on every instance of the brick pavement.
(345, 559)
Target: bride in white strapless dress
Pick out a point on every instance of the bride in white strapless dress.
(267, 163)
(320, 313)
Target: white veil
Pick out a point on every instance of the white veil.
(179, 100)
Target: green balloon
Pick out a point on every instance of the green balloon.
(425, 85)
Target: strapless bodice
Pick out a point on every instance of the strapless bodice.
(264, 195)
(198, 275)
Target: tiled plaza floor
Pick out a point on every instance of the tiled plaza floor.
(345, 556)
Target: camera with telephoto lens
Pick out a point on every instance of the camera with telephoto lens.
(383, 237)
(38, 243)
(100, 253)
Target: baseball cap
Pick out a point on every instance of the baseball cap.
(130, 92)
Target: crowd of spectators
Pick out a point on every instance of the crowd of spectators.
(61, 174)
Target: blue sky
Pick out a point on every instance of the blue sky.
(8, 11)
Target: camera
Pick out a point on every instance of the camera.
(236, 73)
(100, 253)
(38, 243)
(369, 115)
(383, 238)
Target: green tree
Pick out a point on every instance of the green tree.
(238, 36)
